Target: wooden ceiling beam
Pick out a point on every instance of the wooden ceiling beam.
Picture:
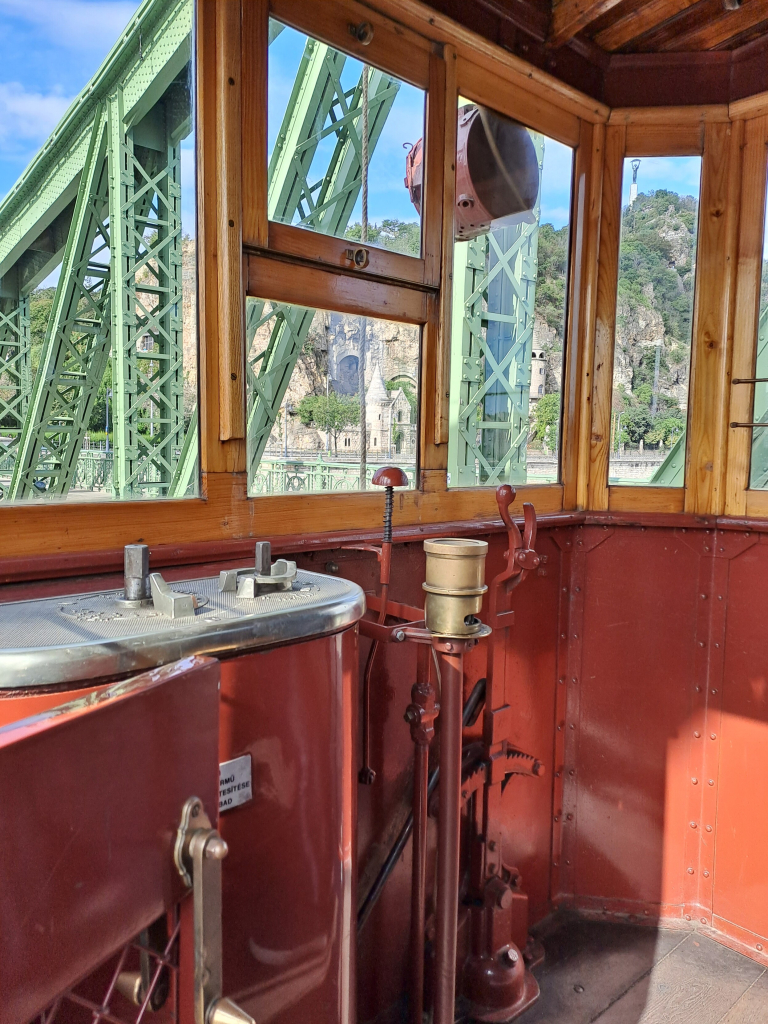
(570, 16)
(713, 33)
(638, 22)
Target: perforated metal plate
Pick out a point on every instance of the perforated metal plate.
(88, 636)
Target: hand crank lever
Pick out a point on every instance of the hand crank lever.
(520, 555)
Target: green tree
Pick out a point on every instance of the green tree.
(333, 413)
(546, 419)
(552, 258)
(399, 235)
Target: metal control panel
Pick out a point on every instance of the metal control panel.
(57, 640)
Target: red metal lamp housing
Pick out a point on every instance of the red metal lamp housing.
(497, 172)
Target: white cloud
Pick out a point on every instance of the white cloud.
(27, 117)
(74, 24)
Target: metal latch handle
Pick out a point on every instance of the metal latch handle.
(198, 854)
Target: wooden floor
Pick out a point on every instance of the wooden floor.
(620, 974)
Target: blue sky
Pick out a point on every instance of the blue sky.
(681, 174)
(50, 50)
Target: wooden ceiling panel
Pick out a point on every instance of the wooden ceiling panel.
(645, 17)
(712, 33)
(571, 16)
(759, 31)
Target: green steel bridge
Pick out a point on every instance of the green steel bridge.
(101, 200)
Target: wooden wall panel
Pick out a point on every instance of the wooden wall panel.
(713, 309)
(605, 317)
(254, 46)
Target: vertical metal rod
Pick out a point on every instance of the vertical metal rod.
(448, 835)
(363, 320)
(419, 879)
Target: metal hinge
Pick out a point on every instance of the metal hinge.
(198, 854)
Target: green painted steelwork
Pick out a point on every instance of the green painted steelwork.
(492, 339)
(758, 474)
(147, 349)
(76, 347)
(15, 371)
(120, 283)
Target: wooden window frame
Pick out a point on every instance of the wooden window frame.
(709, 133)
(473, 81)
(234, 247)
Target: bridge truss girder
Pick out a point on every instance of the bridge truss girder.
(76, 347)
(492, 342)
(147, 325)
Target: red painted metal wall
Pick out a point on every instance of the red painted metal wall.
(664, 728)
(638, 668)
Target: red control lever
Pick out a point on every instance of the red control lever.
(521, 556)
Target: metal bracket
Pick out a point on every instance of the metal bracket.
(171, 603)
(198, 853)
(266, 577)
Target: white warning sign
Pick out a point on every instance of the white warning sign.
(235, 783)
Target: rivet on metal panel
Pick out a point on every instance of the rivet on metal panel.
(706, 874)
(759, 947)
(571, 726)
(703, 920)
(687, 917)
(714, 690)
(561, 679)
(695, 782)
(713, 735)
(562, 636)
(568, 863)
(693, 824)
(690, 871)
(706, 547)
(575, 636)
(565, 590)
(560, 728)
(557, 775)
(578, 590)
(556, 818)
(719, 597)
(722, 549)
(711, 782)
(572, 772)
(698, 689)
(573, 679)
(703, 597)
(696, 733)
(701, 643)
(709, 828)
(570, 817)
(717, 645)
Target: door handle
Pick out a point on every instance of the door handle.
(198, 854)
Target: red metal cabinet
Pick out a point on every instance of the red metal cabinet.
(91, 794)
(288, 891)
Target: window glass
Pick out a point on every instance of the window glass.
(758, 477)
(513, 203)
(654, 316)
(321, 176)
(98, 335)
(316, 376)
